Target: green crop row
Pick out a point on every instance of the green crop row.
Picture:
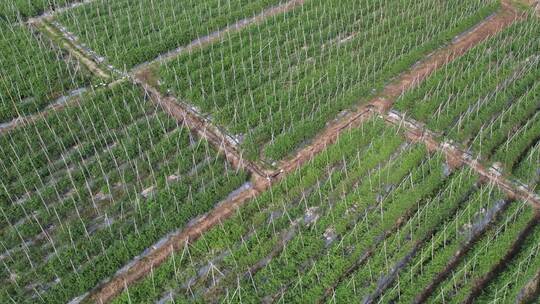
(484, 254)
(382, 268)
(508, 285)
(449, 238)
(488, 99)
(83, 212)
(129, 32)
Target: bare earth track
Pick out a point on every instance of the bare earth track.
(264, 178)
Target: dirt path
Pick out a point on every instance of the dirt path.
(414, 131)
(220, 34)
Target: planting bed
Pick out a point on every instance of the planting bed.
(278, 83)
(86, 189)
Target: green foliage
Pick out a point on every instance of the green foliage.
(357, 188)
(278, 83)
(130, 32)
(32, 73)
(488, 99)
(78, 177)
(15, 10)
(484, 255)
(517, 272)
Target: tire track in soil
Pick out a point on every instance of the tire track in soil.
(381, 104)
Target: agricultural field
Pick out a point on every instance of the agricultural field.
(393, 218)
(489, 101)
(88, 188)
(278, 83)
(131, 32)
(14, 10)
(269, 151)
(34, 73)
